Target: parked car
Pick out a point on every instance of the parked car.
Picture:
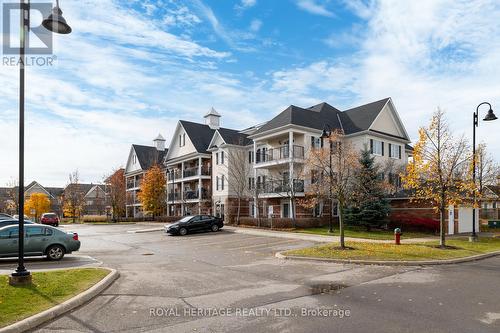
(4, 216)
(4, 223)
(50, 219)
(194, 223)
(26, 218)
(39, 240)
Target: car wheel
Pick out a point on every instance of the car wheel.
(183, 231)
(55, 252)
(215, 227)
(56, 225)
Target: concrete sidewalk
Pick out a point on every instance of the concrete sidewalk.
(317, 238)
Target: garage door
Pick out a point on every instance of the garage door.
(465, 219)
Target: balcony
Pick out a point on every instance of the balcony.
(175, 196)
(189, 172)
(281, 188)
(279, 155)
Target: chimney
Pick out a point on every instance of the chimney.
(212, 119)
(159, 143)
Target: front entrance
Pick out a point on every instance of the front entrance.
(285, 209)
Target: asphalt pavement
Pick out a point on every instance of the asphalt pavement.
(231, 282)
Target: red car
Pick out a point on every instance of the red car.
(50, 219)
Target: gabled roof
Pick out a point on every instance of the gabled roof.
(199, 134)
(234, 137)
(494, 189)
(408, 147)
(148, 156)
(361, 118)
(351, 121)
(314, 117)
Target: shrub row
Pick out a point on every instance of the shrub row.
(423, 224)
(284, 223)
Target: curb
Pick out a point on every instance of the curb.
(74, 302)
(315, 238)
(390, 262)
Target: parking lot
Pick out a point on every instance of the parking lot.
(182, 284)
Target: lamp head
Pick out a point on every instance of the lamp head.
(56, 22)
(490, 116)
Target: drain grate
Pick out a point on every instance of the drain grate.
(325, 288)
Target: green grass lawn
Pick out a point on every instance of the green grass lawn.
(382, 251)
(360, 232)
(48, 289)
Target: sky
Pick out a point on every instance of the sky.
(132, 69)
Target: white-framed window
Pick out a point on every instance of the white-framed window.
(315, 142)
(217, 158)
(182, 140)
(222, 157)
(394, 151)
(134, 159)
(250, 157)
(216, 183)
(377, 147)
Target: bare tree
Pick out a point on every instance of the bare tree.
(73, 197)
(238, 171)
(337, 162)
(487, 170)
(439, 170)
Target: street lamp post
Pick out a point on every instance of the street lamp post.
(489, 117)
(327, 131)
(55, 23)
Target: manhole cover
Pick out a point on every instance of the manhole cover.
(324, 288)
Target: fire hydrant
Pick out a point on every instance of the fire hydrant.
(397, 236)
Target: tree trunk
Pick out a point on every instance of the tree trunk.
(341, 225)
(238, 214)
(442, 226)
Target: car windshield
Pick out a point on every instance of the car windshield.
(49, 215)
(185, 219)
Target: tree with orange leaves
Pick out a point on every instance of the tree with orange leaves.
(152, 193)
(116, 192)
(439, 171)
(36, 205)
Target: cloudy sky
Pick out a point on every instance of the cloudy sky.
(131, 69)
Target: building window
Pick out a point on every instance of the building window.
(217, 158)
(314, 176)
(217, 183)
(318, 209)
(134, 159)
(222, 157)
(377, 147)
(182, 140)
(394, 151)
(315, 142)
(222, 182)
(250, 157)
(251, 183)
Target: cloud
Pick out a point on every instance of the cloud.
(313, 7)
(255, 25)
(244, 5)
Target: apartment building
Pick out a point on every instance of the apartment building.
(140, 159)
(281, 146)
(269, 158)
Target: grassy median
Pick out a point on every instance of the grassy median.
(48, 289)
(360, 232)
(458, 248)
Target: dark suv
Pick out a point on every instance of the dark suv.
(50, 219)
(194, 223)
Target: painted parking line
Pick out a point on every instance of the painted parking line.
(262, 245)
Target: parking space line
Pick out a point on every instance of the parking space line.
(227, 242)
(262, 244)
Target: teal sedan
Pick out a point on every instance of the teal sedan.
(39, 240)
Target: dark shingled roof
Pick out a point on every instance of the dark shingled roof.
(148, 156)
(314, 117)
(234, 137)
(82, 188)
(408, 147)
(199, 134)
(494, 189)
(351, 121)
